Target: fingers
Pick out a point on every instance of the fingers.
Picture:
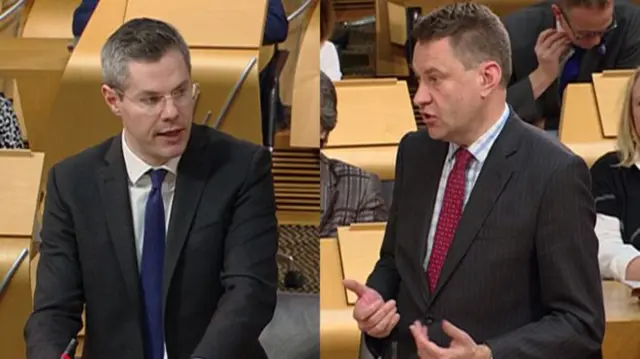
(381, 323)
(426, 348)
(456, 333)
(354, 286)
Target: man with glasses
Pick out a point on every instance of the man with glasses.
(165, 233)
(565, 41)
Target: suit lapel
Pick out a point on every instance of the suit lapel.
(114, 192)
(495, 174)
(193, 171)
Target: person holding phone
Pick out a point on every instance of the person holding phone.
(555, 43)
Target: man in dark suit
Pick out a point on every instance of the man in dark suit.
(489, 251)
(565, 41)
(166, 233)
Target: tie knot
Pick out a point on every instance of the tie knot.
(157, 177)
(463, 156)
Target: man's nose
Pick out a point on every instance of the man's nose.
(422, 96)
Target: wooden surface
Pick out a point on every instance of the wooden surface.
(359, 246)
(15, 302)
(623, 322)
(339, 333)
(206, 23)
(610, 90)
(371, 112)
(305, 97)
(19, 191)
(580, 127)
(380, 160)
(50, 19)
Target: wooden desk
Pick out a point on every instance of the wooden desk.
(339, 333)
(623, 322)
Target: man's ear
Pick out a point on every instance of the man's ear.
(490, 76)
(112, 98)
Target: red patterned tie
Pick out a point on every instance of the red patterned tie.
(450, 214)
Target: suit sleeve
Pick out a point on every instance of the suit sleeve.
(520, 97)
(372, 207)
(250, 272)
(385, 278)
(629, 57)
(276, 25)
(59, 299)
(570, 286)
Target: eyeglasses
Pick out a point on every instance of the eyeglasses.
(155, 104)
(581, 35)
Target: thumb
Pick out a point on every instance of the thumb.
(356, 287)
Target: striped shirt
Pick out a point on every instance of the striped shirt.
(479, 151)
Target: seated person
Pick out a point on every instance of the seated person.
(348, 193)
(616, 189)
(10, 134)
(565, 41)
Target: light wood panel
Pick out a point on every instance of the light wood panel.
(19, 191)
(305, 99)
(623, 322)
(360, 245)
(610, 90)
(339, 333)
(371, 112)
(50, 19)
(206, 23)
(15, 302)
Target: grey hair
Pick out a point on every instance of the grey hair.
(328, 104)
(142, 39)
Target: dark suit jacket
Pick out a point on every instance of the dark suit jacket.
(622, 52)
(521, 274)
(220, 269)
(349, 195)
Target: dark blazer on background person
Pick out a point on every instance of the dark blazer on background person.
(521, 274)
(620, 50)
(220, 269)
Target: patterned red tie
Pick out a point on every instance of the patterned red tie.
(450, 214)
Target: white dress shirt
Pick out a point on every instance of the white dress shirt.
(329, 61)
(139, 189)
(614, 255)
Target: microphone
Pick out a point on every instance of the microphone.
(70, 352)
(602, 48)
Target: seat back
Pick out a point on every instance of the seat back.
(294, 331)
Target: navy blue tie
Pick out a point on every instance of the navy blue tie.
(152, 264)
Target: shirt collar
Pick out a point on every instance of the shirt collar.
(136, 167)
(479, 149)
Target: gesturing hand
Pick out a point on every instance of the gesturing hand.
(462, 345)
(374, 316)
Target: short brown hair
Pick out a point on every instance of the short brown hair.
(327, 20)
(476, 34)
